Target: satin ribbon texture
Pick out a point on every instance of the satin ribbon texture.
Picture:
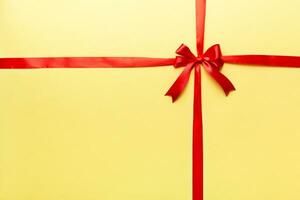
(212, 61)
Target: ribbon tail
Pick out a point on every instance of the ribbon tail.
(197, 138)
(222, 80)
(180, 83)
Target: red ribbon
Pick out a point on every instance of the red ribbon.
(212, 61)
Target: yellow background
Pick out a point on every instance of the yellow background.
(72, 134)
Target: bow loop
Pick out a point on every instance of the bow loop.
(213, 52)
(185, 56)
(181, 61)
(213, 55)
(185, 51)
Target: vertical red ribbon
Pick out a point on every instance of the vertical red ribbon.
(197, 118)
(197, 138)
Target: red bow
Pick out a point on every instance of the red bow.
(212, 62)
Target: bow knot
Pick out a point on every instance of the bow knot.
(212, 62)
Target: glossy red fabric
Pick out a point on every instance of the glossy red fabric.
(83, 62)
(212, 61)
(264, 60)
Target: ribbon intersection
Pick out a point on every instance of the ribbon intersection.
(211, 61)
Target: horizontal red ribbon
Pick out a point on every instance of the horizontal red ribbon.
(264, 60)
(83, 62)
(212, 61)
(135, 62)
